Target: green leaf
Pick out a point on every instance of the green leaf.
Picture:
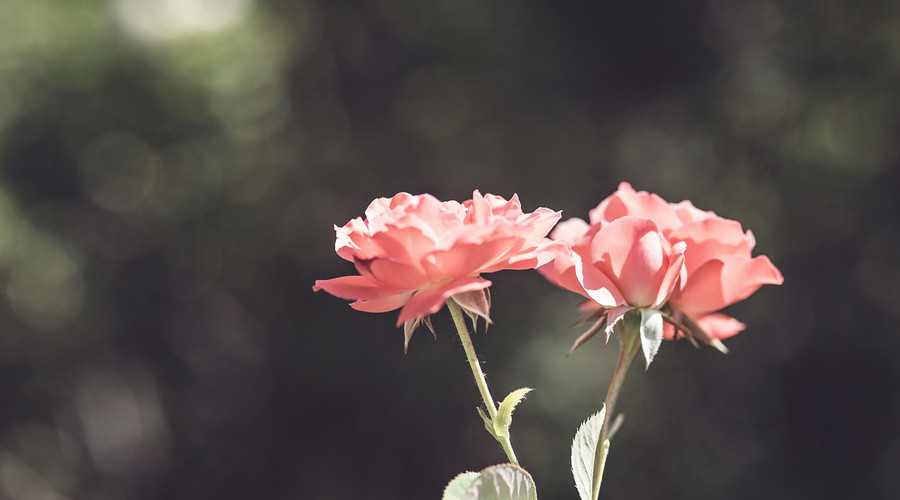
(584, 447)
(651, 333)
(504, 413)
(456, 489)
(502, 482)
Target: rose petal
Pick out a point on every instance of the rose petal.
(675, 272)
(720, 326)
(723, 281)
(626, 201)
(355, 288)
(561, 272)
(397, 275)
(711, 238)
(596, 284)
(571, 231)
(464, 259)
(383, 304)
(632, 252)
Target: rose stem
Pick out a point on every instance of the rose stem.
(629, 344)
(480, 379)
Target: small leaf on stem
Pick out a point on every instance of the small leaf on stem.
(504, 413)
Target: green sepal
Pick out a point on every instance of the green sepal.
(504, 412)
(476, 305)
(497, 482)
(410, 326)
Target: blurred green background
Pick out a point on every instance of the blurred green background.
(171, 171)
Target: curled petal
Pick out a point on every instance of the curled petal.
(596, 284)
(561, 271)
(633, 252)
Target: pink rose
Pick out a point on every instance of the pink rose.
(641, 252)
(415, 252)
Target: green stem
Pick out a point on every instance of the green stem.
(629, 344)
(480, 379)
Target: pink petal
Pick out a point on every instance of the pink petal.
(687, 212)
(392, 274)
(597, 285)
(382, 305)
(479, 210)
(626, 201)
(723, 281)
(561, 272)
(711, 238)
(431, 300)
(353, 241)
(369, 296)
(464, 259)
(720, 326)
(538, 223)
(571, 231)
(675, 271)
(404, 244)
(355, 288)
(633, 253)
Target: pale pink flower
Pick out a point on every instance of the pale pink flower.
(414, 252)
(641, 252)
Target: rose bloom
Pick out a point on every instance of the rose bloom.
(641, 252)
(415, 252)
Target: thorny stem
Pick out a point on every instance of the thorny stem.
(480, 379)
(629, 344)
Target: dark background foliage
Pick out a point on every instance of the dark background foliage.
(170, 173)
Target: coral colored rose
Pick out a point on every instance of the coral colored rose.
(415, 252)
(641, 252)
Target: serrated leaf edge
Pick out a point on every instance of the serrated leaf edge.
(504, 412)
(532, 495)
(459, 478)
(587, 436)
